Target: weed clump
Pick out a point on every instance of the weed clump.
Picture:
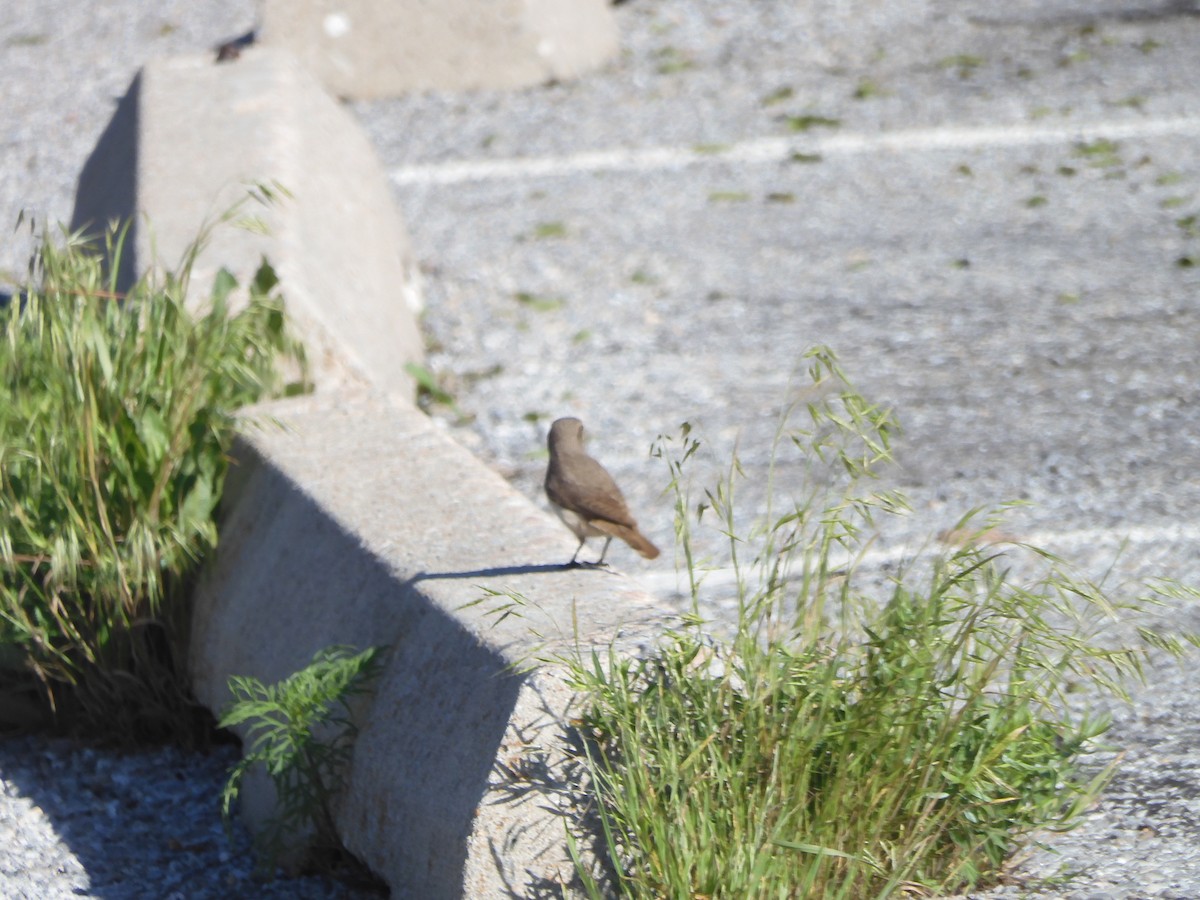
(117, 417)
(847, 742)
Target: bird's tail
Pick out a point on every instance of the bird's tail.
(631, 536)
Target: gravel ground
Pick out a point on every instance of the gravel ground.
(1025, 302)
(79, 822)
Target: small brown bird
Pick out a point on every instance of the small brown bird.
(585, 496)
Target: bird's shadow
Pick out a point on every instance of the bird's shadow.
(508, 571)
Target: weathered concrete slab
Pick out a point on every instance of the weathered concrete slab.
(360, 523)
(186, 143)
(366, 48)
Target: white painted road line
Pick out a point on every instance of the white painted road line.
(778, 149)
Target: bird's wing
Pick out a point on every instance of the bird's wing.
(607, 504)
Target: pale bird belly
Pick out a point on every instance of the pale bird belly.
(576, 523)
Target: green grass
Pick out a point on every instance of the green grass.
(429, 389)
(539, 302)
(846, 740)
(866, 89)
(1100, 153)
(808, 121)
(545, 230)
(779, 95)
(119, 410)
(26, 40)
(671, 60)
(964, 63)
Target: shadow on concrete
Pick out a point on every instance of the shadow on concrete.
(107, 189)
(503, 571)
(290, 579)
(1135, 12)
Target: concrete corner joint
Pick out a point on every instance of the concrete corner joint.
(189, 140)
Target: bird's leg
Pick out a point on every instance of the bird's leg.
(575, 556)
(600, 561)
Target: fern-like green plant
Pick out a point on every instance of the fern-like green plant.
(301, 731)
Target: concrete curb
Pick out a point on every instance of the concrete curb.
(358, 522)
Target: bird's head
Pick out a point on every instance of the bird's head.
(566, 434)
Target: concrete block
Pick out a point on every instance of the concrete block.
(359, 522)
(377, 48)
(188, 140)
